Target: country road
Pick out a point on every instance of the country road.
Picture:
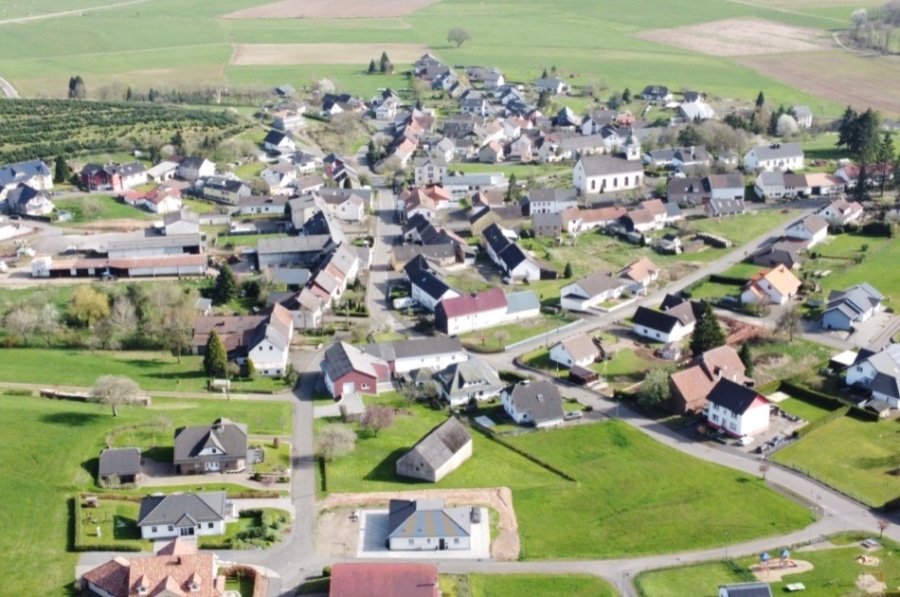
(8, 90)
(68, 13)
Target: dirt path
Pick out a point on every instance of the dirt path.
(335, 533)
(67, 13)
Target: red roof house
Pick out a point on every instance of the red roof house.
(384, 580)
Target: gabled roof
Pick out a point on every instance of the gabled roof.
(552, 195)
(384, 580)
(524, 300)
(812, 223)
(404, 349)
(341, 358)
(598, 283)
(182, 509)
(858, 299)
(733, 396)
(697, 380)
(600, 165)
(661, 321)
(778, 151)
(22, 171)
(120, 462)
(540, 398)
(445, 440)
(426, 280)
(639, 270)
(468, 375)
(226, 436)
(426, 518)
(732, 180)
(781, 279)
(468, 304)
(580, 347)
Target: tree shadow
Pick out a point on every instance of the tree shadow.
(386, 470)
(159, 454)
(92, 466)
(70, 419)
(884, 462)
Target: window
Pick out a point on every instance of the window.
(411, 542)
(456, 541)
(171, 527)
(209, 525)
(715, 418)
(152, 529)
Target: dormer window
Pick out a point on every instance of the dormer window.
(142, 590)
(194, 587)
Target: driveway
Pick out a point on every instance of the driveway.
(351, 402)
(282, 503)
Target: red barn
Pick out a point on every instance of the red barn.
(347, 370)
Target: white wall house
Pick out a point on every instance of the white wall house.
(589, 292)
(813, 229)
(428, 290)
(736, 409)
(606, 174)
(578, 350)
(664, 326)
(777, 287)
(778, 156)
(878, 373)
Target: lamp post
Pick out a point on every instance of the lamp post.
(726, 545)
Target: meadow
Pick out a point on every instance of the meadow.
(625, 481)
(151, 45)
(50, 450)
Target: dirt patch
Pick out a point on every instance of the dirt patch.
(120, 225)
(775, 571)
(325, 9)
(361, 54)
(336, 534)
(739, 37)
(842, 77)
(870, 584)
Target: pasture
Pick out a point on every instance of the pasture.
(38, 530)
(149, 44)
(628, 480)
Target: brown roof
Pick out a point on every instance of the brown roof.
(112, 576)
(233, 330)
(639, 271)
(654, 206)
(602, 214)
(696, 381)
(467, 304)
(580, 346)
(384, 580)
(782, 279)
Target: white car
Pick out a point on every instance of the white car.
(745, 440)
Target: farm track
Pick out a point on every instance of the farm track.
(67, 13)
(8, 90)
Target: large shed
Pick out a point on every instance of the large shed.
(437, 454)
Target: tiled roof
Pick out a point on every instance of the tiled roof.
(384, 580)
(440, 444)
(467, 304)
(733, 396)
(580, 347)
(540, 398)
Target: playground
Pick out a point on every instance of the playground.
(774, 569)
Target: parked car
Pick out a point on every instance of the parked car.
(745, 440)
(572, 415)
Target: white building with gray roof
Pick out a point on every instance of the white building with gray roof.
(533, 403)
(426, 525)
(184, 515)
(437, 454)
(469, 380)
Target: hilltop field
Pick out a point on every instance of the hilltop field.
(784, 47)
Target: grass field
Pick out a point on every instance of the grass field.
(876, 268)
(626, 481)
(50, 472)
(805, 410)
(498, 337)
(514, 585)
(744, 228)
(148, 45)
(835, 572)
(857, 457)
(102, 207)
(151, 370)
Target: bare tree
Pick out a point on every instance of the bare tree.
(334, 441)
(114, 390)
(48, 324)
(500, 336)
(764, 468)
(22, 321)
(789, 322)
(377, 417)
(883, 524)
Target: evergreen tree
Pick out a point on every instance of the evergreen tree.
(884, 157)
(626, 96)
(846, 128)
(760, 100)
(61, 171)
(76, 87)
(512, 189)
(226, 286)
(543, 100)
(372, 67)
(544, 74)
(567, 273)
(128, 94)
(384, 64)
(215, 360)
(746, 359)
(251, 370)
(708, 334)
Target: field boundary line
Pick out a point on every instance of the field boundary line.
(66, 13)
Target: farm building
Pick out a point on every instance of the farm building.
(437, 454)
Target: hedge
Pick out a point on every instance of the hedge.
(824, 400)
(77, 545)
(832, 416)
(730, 280)
(527, 455)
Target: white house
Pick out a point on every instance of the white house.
(271, 343)
(278, 141)
(543, 201)
(736, 409)
(429, 171)
(427, 289)
(577, 350)
(463, 382)
(776, 286)
(853, 305)
(840, 212)
(533, 403)
(184, 515)
(606, 173)
(878, 372)
(195, 168)
(426, 525)
(640, 275)
(404, 356)
(465, 313)
(803, 115)
(778, 156)
(590, 291)
(813, 229)
(672, 325)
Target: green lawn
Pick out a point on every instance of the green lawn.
(151, 370)
(849, 245)
(744, 228)
(702, 580)
(777, 358)
(244, 240)
(805, 410)
(877, 268)
(243, 585)
(276, 460)
(626, 481)
(627, 366)
(855, 456)
(503, 335)
(117, 521)
(102, 207)
(515, 585)
(710, 290)
(51, 472)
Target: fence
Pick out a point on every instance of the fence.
(543, 335)
(487, 432)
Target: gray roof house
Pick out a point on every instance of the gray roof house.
(437, 454)
(853, 305)
(184, 514)
(469, 380)
(220, 447)
(119, 465)
(534, 403)
(426, 525)
(747, 589)
(879, 373)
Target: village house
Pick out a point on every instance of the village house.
(514, 262)
(639, 274)
(551, 200)
(217, 448)
(262, 205)
(348, 205)
(812, 229)
(783, 252)
(279, 142)
(461, 383)
(777, 286)
(177, 568)
(607, 173)
(439, 453)
(303, 251)
(426, 525)
(163, 171)
(695, 111)
(533, 403)
(429, 171)
(724, 186)
(289, 119)
(163, 516)
(803, 115)
(410, 580)
(181, 222)
(777, 156)
(691, 385)
(426, 287)
(775, 184)
(841, 212)
(279, 178)
(28, 201)
(718, 208)
(685, 191)
(465, 313)
(670, 325)
(403, 356)
(656, 93)
(547, 225)
(113, 177)
(589, 292)
(427, 201)
(33, 173)
(852, 305)
(161, 200)
(578, 350)
(225, 190)
(195, 168)
(736, 409)
(678, 158)
(348, 370)
(877, 372)
(576, 220)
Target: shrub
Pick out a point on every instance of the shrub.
(326, 571)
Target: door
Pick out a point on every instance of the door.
(211, 466)
(349, 387)
(443, 544)
(187, 531)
